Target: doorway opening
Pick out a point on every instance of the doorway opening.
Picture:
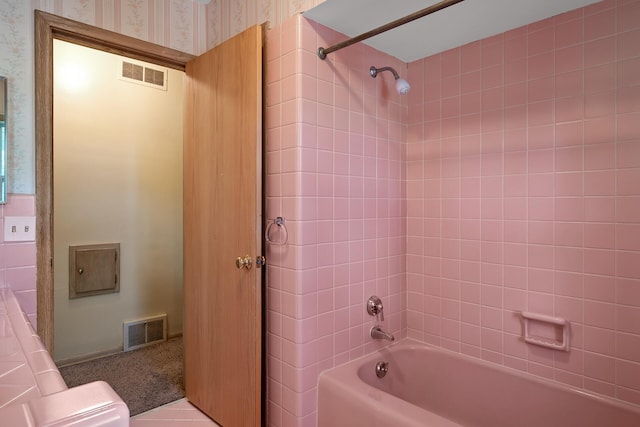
(80, 341)
(48, 28)
(220, 223)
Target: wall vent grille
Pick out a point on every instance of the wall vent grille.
(143, 332)
(144, 75)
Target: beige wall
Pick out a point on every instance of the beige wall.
(117, 179)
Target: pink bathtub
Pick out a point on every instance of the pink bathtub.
(426, 386)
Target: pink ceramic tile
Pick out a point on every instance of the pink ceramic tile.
(569, 259)
(600, 51)
(515, 48)
(515, 276)
(627, 236)
(568, 33)
(627, 209)
(599, 104)
(600, 340)
(19, 205)
(600, 314)
(540, 184)
(599, 236)
(599, 156)
(568, 284)
(450, 62)
(22, 279)
(515, 94)
(540, 42)
(569, 209)
(628, 127)
(492, 99)
(569, 234)
(470, 82)
(628, 100)
(492, 77)
(601, 78)
(541, 113)
(627, 347)
(598, 261)
(570, 133)
(599, 183)
(569, 84)
(470, 57)
(450, 86)
(515, 71)
(627, 373)
(20, 254)
(542, 256)
(627, 72)
(540, 66)
(492, 51)
(601, 288)
(515, 231)
(628, 15)
(569, 109)
(627, 182)
(599, 25)
(540, 161)
(568, 159)
(450, 107)
(541, 89)
(627, 264)
(569, 184)
(569, 59)
(491, 340)
(599, 209)
(541, 208)
(627, 47)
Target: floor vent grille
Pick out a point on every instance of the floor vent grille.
(143, 332)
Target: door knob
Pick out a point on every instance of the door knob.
(244, 262)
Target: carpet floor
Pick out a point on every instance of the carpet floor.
(145, 378)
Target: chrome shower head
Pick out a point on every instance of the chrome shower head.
(402, 86)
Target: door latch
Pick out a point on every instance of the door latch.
(260, 261)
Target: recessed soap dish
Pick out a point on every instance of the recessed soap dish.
(556, 326)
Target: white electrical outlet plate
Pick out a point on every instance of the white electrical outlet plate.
(19, 228)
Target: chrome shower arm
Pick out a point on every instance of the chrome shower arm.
(374, 71)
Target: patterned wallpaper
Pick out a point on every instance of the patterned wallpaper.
(180, 24)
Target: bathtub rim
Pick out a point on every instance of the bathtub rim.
(346, 385)
(346, 371)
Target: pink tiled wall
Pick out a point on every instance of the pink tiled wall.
(335, 171)
(523, 193)
(18, 259)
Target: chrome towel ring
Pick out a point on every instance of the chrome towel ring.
(279, 222)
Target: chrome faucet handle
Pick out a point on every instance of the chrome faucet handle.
(374, 307)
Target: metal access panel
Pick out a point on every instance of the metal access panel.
(94, 269)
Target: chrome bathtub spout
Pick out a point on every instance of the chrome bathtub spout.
(378, 334)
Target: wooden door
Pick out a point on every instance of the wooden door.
(222, 217)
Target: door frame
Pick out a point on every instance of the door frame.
(47, 28)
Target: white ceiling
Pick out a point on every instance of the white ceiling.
(454, 26)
